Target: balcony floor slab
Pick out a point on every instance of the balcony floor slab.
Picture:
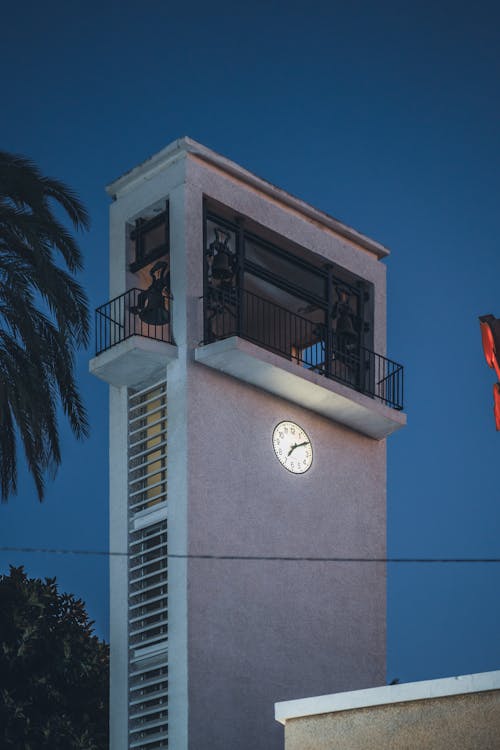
(252, 364)
(136, 361)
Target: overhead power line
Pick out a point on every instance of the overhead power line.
(265, 558)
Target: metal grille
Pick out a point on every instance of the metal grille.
(148, 586)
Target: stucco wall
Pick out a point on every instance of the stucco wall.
(263, 631)
(467, 722)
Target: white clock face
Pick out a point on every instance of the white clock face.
(292, 447)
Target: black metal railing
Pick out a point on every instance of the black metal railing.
(311, 345)
(125, 316)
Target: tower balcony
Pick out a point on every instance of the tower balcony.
(134, 341)
(306, 362)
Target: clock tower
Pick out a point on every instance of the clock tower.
(250, 401)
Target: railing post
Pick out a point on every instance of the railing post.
(204, 300)
(240, 273)
(328, 324)
(361, 368)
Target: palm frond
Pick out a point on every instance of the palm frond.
(44, 319)
(23, 183)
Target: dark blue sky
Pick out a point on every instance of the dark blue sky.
(385, 115)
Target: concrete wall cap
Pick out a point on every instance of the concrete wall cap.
(387, 694)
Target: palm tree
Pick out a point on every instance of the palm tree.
(44, 319)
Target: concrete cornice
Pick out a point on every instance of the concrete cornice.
(387, 694)
(185, 146)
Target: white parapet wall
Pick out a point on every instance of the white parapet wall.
(454, 712)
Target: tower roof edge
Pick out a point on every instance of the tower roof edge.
(188, 146)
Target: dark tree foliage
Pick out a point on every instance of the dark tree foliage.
(43, 319)
(53, 670)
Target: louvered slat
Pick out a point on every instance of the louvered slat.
(148, 586)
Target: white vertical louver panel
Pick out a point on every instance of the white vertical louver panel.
(148, 587)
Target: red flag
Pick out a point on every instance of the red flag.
(496, 404)
(490, 332)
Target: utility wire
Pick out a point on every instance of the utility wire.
(283, 558)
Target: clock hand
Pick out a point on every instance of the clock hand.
(297, 445)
